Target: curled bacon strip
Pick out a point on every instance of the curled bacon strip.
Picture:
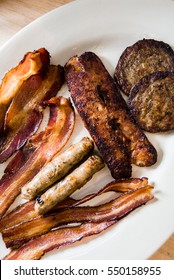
(35, 249)
(100, 218)
(38, 151)
(24, 114)
(26, 211)
(32, 63)
(115, 209)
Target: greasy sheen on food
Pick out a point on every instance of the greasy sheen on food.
(140, 59)
(38, 151)
(105, 214)
(33, 63)
(36, 248)
(106, 116)
(24, 114)
(72, 182)
(151, 102)
(26, 211)
(57, 168)
(114, 209)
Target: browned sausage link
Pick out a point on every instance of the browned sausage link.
(75, 180)
(57, 168)
(90, 99)
(106, 115)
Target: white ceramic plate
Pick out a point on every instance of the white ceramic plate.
(107, 28)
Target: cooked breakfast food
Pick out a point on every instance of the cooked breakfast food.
(38, 151)
(72, 182)
(25, 212)
(108, 214)
(112, 210)
(36, 248)
(106, 116)
(33, 63)
(142, 58)
(34, 226)
(24, 114)
(151, 102)
(57, 168)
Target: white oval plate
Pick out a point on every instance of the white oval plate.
(107, 28)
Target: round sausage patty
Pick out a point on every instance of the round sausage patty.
(141, 59)
(151, 102)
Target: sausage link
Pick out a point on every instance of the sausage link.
(75, 180)
(57, 168)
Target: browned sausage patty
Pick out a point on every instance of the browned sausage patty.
(144, 57)
(151, 102)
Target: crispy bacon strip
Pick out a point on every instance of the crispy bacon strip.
(125, 185)
(21, 213)
(32, 63)
(39, 151)
(35, 249)
(24, 114)
(26, 211)
(115, 209)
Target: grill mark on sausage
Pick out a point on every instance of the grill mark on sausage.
(106, 116)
